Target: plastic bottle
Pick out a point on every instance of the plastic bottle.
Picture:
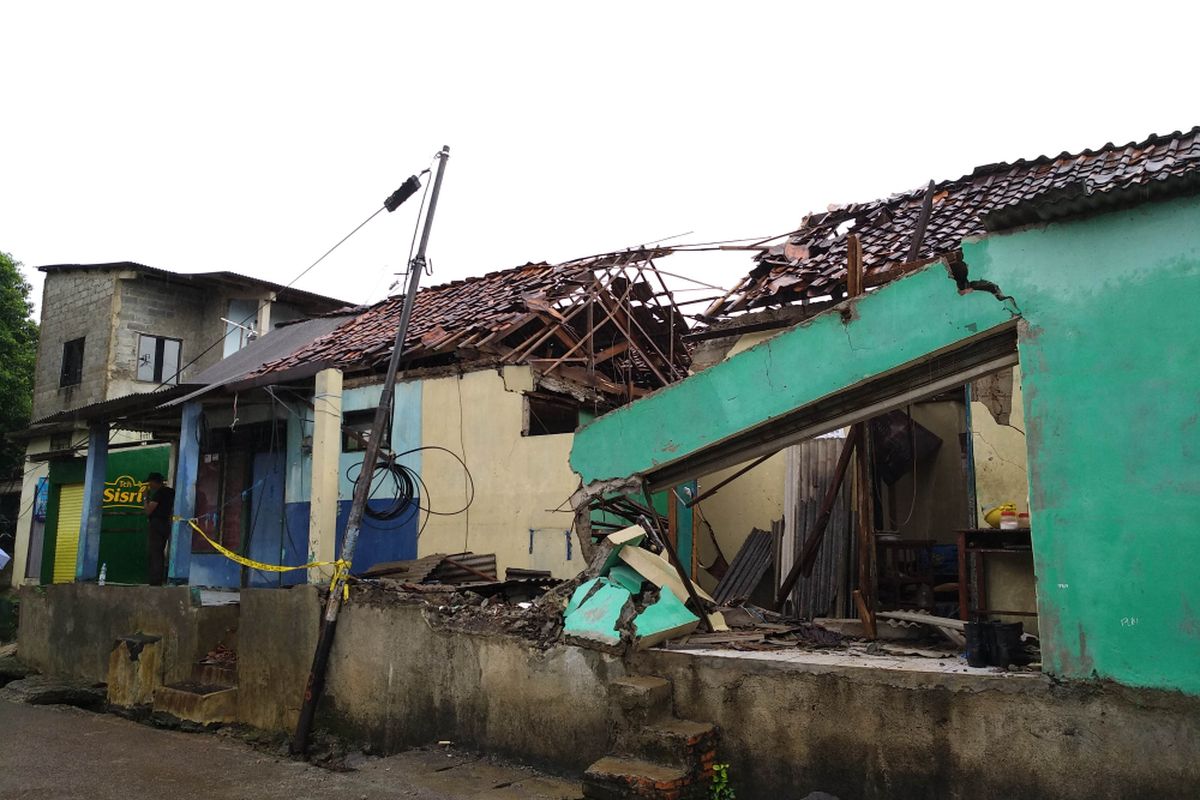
(103, 573)
(1008, 519)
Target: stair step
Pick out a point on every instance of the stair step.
(641, 699)
(677, 742)
(215, 674)
(201, 703)
(616, 777)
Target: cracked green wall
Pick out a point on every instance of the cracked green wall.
(1110, 356)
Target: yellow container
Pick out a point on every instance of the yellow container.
(992, 515)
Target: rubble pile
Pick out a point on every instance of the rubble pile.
(629, 598)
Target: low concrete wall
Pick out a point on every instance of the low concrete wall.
(277, 635)
(401, 683)
(394, 681)
(787, 728)
(889, 734)
(69, 629)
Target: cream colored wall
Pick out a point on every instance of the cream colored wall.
(1000, 478)
(518, 479)
(941, 506)
(754, 500)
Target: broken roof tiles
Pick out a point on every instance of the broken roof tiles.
(812, 263)
(606, 322)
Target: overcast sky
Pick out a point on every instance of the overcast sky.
(252, 136)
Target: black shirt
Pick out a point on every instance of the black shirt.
(165, 497)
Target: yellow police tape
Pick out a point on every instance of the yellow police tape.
(341, 567)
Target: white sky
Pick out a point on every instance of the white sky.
(252, 136)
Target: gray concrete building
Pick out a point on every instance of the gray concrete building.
(110, 332)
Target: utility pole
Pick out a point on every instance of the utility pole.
(362, 487)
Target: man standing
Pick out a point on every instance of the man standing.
(159, 504)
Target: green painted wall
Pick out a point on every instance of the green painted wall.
(914, 316)
(123, 529)
(1111, 366)
(1110, 357)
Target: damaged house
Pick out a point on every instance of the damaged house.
(1017, 337)
(765, 508)
(498, 372)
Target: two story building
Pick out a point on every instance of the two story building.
(123, 335)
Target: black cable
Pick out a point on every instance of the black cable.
(288, 285)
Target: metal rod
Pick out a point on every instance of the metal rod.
(362, 487)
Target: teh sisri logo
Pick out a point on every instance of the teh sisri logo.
(125, 492)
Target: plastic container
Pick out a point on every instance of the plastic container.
(1023, 520)
(1008, 520)
(103, 574)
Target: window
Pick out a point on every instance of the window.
(547, 414)
(158, 359)
(72, 363)
(359, 422)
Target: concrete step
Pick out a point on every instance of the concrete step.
(691, 746)
(204, 704)
(215, 675)
(641, 699)
(616, 778)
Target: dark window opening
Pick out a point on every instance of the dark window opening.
(356, 429)
(549, 414)
(158, 359)
(72, 363)
(62, 441)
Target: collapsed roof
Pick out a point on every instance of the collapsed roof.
(812, 263)
(607, 322)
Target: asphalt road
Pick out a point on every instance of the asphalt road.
(63, 752)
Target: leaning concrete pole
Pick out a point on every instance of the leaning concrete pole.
(362, 487)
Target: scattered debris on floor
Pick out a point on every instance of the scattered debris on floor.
(631, 598)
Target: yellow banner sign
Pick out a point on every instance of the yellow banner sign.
(125, 492)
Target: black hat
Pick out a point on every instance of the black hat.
(155, 476)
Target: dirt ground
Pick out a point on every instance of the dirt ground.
(64, 752)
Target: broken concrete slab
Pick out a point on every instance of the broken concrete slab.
(659, 572)
(596, 618)
(667, 618)
(39, 690)
(581, 593)
(628, 577)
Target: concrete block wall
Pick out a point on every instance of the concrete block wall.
(74, 304)
(149, 305)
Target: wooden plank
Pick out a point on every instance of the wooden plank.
(925, 619)
(854, 266)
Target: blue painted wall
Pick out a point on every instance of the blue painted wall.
(393, 540)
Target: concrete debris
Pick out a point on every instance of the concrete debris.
(597, 612)
(38, 690)
(666, 618)
(12, 668)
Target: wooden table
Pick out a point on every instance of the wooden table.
(978, 542)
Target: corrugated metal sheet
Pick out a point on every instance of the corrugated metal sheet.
(452, 574)
(749, 565)
(826, 592)
(66, 543)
